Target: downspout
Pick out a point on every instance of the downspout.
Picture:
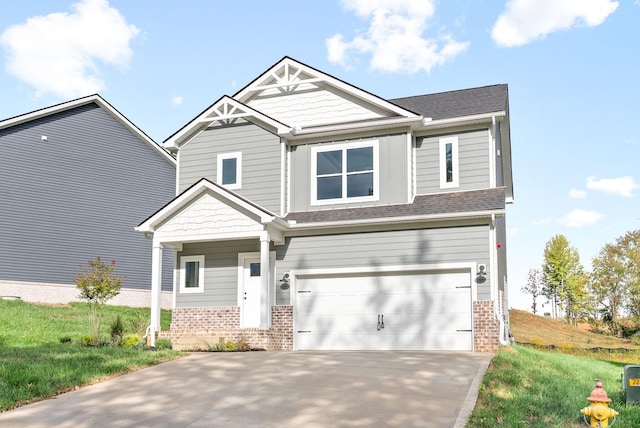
(498, 306)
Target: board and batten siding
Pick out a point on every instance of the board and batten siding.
(261, 161)
(393, 173)
(220, 272)
(473, 154)
(77, 196)
(377, 249)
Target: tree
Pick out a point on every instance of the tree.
(97, 284)
(609, 286)
(564, 279)
(629, 245)
(533, 286)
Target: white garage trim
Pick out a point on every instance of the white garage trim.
(301, 318)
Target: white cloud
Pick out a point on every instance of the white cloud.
(177, 100)
(623, 186)
(394, 39)
(580, 218)
(577, 194)
(57, 53)
(524, 21)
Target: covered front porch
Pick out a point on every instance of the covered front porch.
(223, 285)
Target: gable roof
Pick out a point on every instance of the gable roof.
(465, 102)
(102, 103)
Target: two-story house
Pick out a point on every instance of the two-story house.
(74, 179)
(311, 214)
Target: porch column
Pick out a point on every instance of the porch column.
(156, 286)
(265, 304)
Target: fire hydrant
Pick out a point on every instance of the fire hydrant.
(599, 410)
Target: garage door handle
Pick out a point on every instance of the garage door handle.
(304, 291)
(463, 286)
(469, 331)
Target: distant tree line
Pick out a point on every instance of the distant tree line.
(610, 292)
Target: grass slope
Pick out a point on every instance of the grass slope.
(34, 364)
(528, 387)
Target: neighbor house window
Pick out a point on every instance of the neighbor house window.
(449, 170)
(192, 274)
(230, 170)
(344, 173)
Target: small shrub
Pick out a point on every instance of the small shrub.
(132, 341)
(116, 328)
(163, 344)
(635, 339)
(228, 346)
(87, 340)
(138, 324)
(243, 345)
(65, 339)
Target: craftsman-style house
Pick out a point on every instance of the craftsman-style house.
(311, 214)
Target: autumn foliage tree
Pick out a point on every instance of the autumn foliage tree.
(97, 284)
(533, 287)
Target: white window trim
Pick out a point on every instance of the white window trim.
(455, 163)
(183, 261)
(344, 147)
(238, 157)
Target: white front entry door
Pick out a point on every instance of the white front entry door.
(250, 310)
(425, 311)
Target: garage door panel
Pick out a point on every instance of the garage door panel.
(421, 311)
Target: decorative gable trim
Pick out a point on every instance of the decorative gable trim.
(225, 111)
(102, 103)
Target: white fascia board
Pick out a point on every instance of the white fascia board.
(318, 131)
(319, 76)
(195, 191)
(396, 220)
(95, 98)
(454, 121)
(204, 119)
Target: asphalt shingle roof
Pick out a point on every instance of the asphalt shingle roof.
(423, 205)
(465, 102)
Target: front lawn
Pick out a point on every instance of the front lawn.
(35, 363)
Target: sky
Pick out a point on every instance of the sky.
(572, 66)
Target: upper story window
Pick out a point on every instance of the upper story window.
(344, 173)
(230, 170)
(192, 274)
(449, 169)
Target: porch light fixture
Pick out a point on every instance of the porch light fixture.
(284, 282)
(481, 275)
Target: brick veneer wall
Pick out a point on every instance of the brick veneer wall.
(485, 326)
(194, 328)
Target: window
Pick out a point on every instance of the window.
(449, 170)
(230, 170)
(192, 274)
(344, 173)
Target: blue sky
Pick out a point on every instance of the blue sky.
(572, 67)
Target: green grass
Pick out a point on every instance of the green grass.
(34, 364)
(525, 387)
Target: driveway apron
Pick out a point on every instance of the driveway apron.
(275, 389)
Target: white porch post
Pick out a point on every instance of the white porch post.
(156, 286)
(265, 304)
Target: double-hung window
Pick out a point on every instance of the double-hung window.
(344, 173)
(230, 170)
(449, 167)
(192, 274)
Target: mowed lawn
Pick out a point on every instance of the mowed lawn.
(40, 354)
(546, 385)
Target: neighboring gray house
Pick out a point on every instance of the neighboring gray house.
(312, 214)
(75, 179)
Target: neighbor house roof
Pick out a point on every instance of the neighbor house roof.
(465, 102)
(476, 201)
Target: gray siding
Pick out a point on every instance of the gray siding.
(261, 162)
(77, 196)
(393, 173)
(221, 272)
(473, 152)
(424, 246)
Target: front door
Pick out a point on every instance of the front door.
(250, 310)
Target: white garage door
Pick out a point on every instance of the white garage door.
(427, 311)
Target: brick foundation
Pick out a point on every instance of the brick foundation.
(485, 326)
(195, 328)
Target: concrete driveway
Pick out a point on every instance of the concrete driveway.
(275, 389)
